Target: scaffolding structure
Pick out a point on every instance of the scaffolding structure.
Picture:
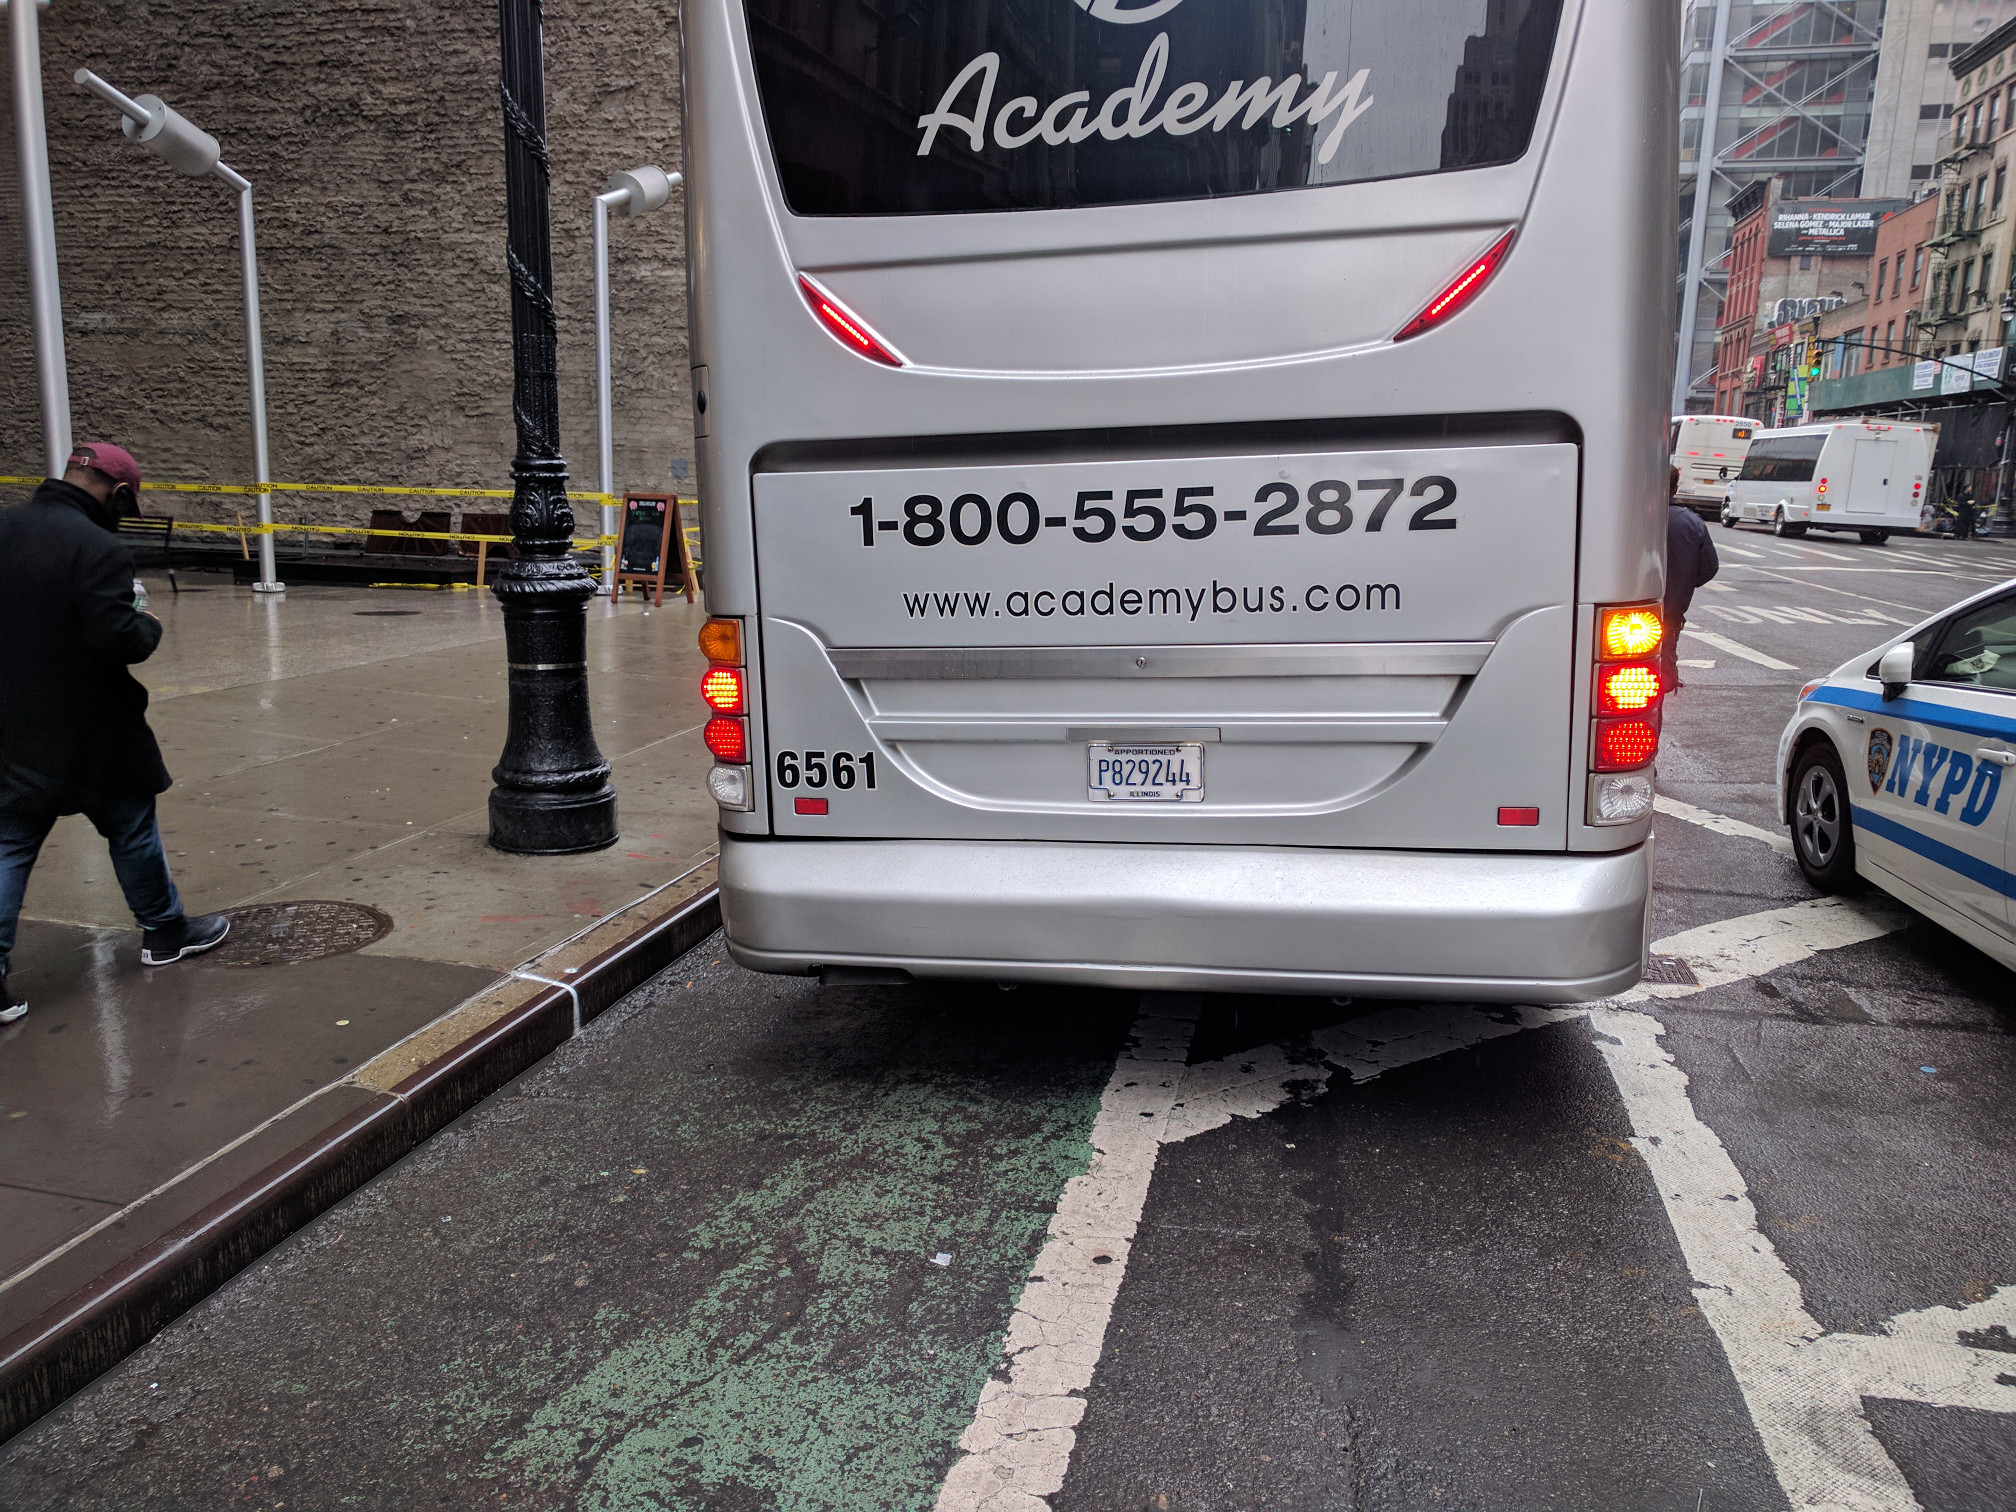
(1767, 90)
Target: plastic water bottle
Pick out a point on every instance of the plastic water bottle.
(139, 594)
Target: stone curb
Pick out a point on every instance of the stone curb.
(79, 1338)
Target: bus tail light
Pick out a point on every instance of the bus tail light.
(1620, 798)
(1628, 688)
(1626, 632)
(725, 687)
(728, 738)
(721, 641)
(730, 786)
(1467, 286)
(722, 688)
(850, 329)
(1624, 744)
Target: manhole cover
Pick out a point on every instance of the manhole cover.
(277, 934)
(382, 613)
(1671, 970)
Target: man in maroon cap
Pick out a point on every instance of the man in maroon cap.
(73, 720)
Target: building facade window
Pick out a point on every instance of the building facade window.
(2001, 187)
(1805, 263)
(1987, 273)
(1917, 265)
(1966, 281)
(1890, 340)
(1994, 109)
(1882, 278)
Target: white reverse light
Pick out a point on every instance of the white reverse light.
(1619, 798)
(730, 786)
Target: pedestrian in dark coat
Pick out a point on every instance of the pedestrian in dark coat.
(1690, 562)
(73, 720)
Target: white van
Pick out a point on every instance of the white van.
(1868, 476)
(1708, 451)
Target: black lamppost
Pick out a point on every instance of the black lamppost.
(552, 795)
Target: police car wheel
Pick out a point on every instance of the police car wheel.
(1823, 835)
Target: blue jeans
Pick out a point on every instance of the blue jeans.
(129, 827)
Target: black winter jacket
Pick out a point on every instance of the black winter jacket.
(73, 720)
(1690, 559)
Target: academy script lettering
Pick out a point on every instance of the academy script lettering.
(1131, 112)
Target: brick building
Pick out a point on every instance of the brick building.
(1772, 297)
(371, 133)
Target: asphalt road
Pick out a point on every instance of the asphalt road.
(749, 1244)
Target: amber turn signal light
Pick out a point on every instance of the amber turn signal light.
(721, 641)
(1628, 631)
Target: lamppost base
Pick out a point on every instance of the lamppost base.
(552, 824)
(269, 587)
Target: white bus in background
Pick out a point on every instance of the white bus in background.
(1708, 450)
(1155, 535)
(1865, 476)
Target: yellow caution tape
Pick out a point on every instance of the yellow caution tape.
(580, 544)
(614, 501)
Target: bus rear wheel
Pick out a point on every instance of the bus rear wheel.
(1823, 833)
(1780, 526)
(1875, 537)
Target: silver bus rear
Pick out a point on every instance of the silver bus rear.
(1157, 531)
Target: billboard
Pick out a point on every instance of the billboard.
(1828, 228)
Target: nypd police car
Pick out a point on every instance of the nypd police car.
(1900, 767)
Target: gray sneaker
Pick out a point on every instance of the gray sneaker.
(11, 1007)
(187, 936)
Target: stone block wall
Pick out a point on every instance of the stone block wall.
(371, 132)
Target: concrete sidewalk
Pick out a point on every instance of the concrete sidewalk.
(333, 747)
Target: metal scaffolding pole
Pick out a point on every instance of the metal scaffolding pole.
(1697, 234)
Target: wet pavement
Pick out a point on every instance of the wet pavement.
(748, 1243)
(334, 745)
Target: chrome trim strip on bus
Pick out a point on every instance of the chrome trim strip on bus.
(1361, 659)
(1363, 729)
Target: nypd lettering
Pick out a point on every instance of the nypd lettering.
(1942, 775)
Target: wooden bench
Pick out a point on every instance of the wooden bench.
(151, 534)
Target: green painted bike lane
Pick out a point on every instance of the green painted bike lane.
(688, 1263)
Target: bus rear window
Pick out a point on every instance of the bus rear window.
(914, 107)
(1782, 459)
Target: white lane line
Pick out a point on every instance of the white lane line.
(1737, 648)
(1018, 1446)
(1742, 551)
(1722, 824)
(1749, 945)
(1803, 1386)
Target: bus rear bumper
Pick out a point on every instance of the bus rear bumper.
(1489, 927)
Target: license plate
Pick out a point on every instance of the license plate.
(1144, 773)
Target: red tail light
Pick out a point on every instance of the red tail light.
(853, 332)
(722, 688)
(1622, 744)
(728, 739)
(1628, 688)
(1469, 283)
